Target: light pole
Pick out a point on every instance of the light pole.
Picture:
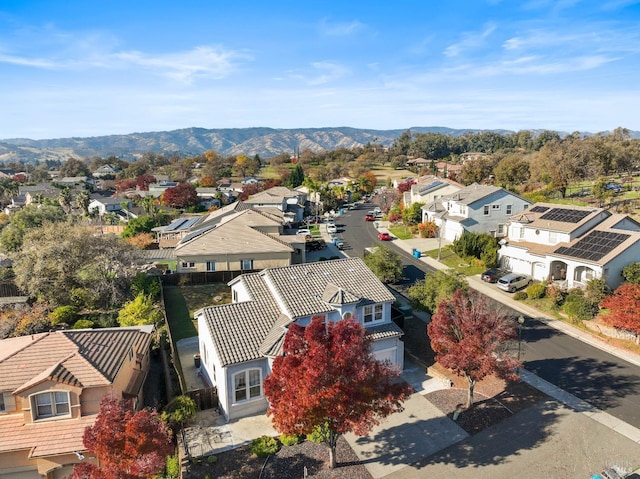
(520, 323)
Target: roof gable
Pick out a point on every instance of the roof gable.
(85, 358)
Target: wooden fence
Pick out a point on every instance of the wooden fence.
(201, 277)
(206, 398)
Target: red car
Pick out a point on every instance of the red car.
(384, 237)
(370, 218)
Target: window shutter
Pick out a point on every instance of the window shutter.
(9, 403)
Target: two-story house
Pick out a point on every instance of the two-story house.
(239, 341)
(289, 202)
(428, 189)
(245, 241)
(571, 244)
(474, 208)
(51, 385)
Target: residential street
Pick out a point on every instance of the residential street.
(596, 376)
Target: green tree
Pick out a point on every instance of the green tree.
(297, 177)
(385, 264)
(58, 262)
(631, 273)
(138, 312)
(435, 288)
(511, 171)
(74, 167)
(28, 218)
(82, 200)
(141, 224)
(413, 214)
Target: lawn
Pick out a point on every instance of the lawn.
(181, 302)
(401, 232)
(468, 267)
(385, 172)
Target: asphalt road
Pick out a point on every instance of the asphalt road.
(601, 379)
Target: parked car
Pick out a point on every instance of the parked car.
(384, 236)
(370, 217)
(512, 282)
(332, 228)
(492, 275)
(304, 231)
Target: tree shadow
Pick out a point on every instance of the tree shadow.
(534, 330)
(600, 383)
(440, 440)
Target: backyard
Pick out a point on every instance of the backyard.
(181, 302)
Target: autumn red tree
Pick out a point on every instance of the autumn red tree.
(125, 185)
(180, 196)
(248, 190)
(624, 307)
(143, 181)
(126, 444)
(473, 339)
(328, 381)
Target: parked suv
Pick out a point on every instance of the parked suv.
(513, 281)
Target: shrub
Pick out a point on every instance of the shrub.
(556, 294)
(631, 273)
(83, 324)
(290, 439)
(316, 435)
(172, 467)
(536, 290)
(579, 308)
(212, 459)
(264, 446)
(63, 314)
(520, 296)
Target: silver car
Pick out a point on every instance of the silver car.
(513, 281)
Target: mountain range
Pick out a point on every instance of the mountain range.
(266, 142)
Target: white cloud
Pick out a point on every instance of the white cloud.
(470, 41)
(94, 50)
(340, 28)
(200, 62)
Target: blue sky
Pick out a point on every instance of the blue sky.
(79, 68)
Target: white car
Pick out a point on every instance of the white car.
(332, 228)
(513, 281)
(304, 231)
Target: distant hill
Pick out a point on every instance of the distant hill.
(266, 142)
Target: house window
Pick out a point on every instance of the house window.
(234, 295)
(553, 237)
(186, 264)
(501, 230)
(246, 264)
(509, 209)
(521, 233)
(50, 404)
(486, 210)
(495, 207)
(373, 313)
(247, 385)
(130, 354)
(211, 265)
(2, 406)
(347, 315)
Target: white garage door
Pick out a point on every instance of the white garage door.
(386, 355)
(21, 475)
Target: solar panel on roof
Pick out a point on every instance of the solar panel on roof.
(539, 209)
(594, 246)
(431, 185)
(176, 224)
(565, 215)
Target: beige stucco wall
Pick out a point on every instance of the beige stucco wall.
(232, 262)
